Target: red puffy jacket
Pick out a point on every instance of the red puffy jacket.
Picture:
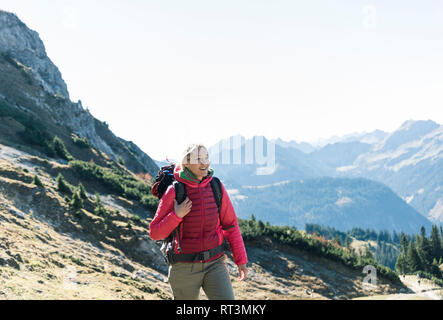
(202, 227)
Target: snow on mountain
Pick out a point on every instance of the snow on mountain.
(410, 161)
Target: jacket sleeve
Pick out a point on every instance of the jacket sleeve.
(165, 219)
(231, 230)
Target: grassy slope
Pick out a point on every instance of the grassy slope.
(51, 254)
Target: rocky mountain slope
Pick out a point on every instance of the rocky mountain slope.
(410, 161)
(35, 104)
(25, 45)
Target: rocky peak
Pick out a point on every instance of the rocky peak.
(409, 131)
(25, 46)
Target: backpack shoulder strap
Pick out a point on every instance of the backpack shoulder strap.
(218, 193)
(217, 190)
(180, 196)
(180, 191)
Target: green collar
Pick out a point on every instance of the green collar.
(188, 175)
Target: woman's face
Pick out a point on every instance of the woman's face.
(199, 163)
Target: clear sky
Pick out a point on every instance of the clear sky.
(166, 73)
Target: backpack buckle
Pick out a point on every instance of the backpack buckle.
(205, 255)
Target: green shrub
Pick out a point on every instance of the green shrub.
(252, 230)
(36, 180)
(35, 132)
(132, 193)
(60, 149)
(81, 142)
(135, 218)
(76, 202)
(114, 179)
(120, 160)
(63, 186)
(99, 208)
(150, 202)
(82, 191)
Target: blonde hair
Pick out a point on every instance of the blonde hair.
(185, 158)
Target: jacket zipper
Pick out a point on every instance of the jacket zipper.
(202, 218)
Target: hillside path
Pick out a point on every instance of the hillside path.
(426, 289)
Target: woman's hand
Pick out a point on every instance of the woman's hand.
(183, 208)
(242, 271)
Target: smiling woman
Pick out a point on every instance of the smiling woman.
(202, 221)
(196, 160)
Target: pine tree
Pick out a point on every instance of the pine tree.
(120, 160)
(99, 208)
(424, 250)
(435, 243)
(347, 242)
(261, 226)
(82, 191)
(400, 264)
(60, 149)
(76, 201)
(403, 243)
(62, 185)
(36, 180)
(413, 262)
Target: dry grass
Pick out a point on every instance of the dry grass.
(56, 266)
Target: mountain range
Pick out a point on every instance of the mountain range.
(341, 203)
(409, 161)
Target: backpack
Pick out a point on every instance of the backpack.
(163, 180)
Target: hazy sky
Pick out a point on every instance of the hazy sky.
(167, 73)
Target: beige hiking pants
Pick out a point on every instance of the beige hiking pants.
(186, 279)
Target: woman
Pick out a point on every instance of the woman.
(202, 230)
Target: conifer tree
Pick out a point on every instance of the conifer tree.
(424, 250)
(401, 265)
(60, 149)
(347, 242)
(62, 185)
(36, 180)
(99, 208)
(435, 243)
(76, 201)
(413, 262)
(82, 191)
